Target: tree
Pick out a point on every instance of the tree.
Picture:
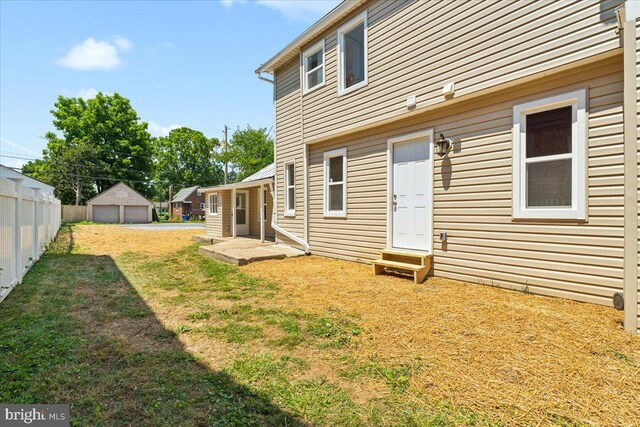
(103, 141)
(249, 151)
(186, 157)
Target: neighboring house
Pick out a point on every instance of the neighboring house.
(252, 209)
(538, 100)
(27, 181)
(119, 204)
(161, 207)
(189, 201)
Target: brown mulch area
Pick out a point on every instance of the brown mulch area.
(502, 352)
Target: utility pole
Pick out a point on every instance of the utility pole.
(224, 147)
(170, 207)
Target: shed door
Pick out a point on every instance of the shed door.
(136, 214)
(106, 214)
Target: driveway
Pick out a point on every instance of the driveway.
(159, 226)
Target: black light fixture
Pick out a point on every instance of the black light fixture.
(443, 145)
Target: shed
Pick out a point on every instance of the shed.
(120, 204)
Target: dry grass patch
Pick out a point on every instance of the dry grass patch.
(517, 356)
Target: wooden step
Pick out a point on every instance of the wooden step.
(408, 257)
(419, 271)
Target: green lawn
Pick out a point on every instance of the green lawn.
(179, 339)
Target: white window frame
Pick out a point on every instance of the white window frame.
(362, 18)
(305, 73)
(578, 209)
(340, 152)
(213, 206)
(287, 211)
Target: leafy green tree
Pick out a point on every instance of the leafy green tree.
(249, 151)
(103, 140)
(69, 170)
(186, 157)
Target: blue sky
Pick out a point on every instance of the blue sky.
(180, 63)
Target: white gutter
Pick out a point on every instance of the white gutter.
(275, 226)
(274, 215)
(236, 185)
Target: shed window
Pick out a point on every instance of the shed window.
(213, 204)
(290, 189)
(352, 54)
(335, 188)
(313, 67)
(549, 161)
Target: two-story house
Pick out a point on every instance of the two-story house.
(498, 140)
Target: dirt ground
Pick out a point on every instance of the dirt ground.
(500, 352)
(478, 346)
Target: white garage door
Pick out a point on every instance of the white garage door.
(136, 214)
(107, 214)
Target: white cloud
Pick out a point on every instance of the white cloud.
(94, 54)
(157, 130)
(229, 3)
(301, 10)
(87, 93)
(122, 44)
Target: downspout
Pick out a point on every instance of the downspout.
(272, 188)
(627, 20)
(275, 226)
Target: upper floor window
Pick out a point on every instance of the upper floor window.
(352, 54)
(549, 157)
(313, 66)
(213, 204)
(290, 189)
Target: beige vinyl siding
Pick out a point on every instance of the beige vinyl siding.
(289, 144)
(415, 47)
(638, 136)
(219, 225)
(472, 196)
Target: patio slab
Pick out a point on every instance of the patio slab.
(242, 251)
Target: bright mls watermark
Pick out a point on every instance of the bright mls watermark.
(34, 415)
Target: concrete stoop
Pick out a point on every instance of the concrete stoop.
(242, 251)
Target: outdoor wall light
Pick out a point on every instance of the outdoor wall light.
(443, 145)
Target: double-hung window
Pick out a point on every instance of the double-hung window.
(335, 183)
(549, 157)
(313, 67)
(289, 189)
(352, 54)
(213, 204)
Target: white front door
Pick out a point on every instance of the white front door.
(242, 213)
(411, 203)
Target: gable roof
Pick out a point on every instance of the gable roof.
(113, 187)
(292, 49)
(184, 193)
(268, 171)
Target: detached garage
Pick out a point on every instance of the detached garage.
(120, 204)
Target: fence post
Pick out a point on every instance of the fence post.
(36, 224)
(47, 218)
(17, 230)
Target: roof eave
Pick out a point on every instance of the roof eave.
(337, 13)
(237, 185)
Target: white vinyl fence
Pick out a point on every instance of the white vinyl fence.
(28, 222)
